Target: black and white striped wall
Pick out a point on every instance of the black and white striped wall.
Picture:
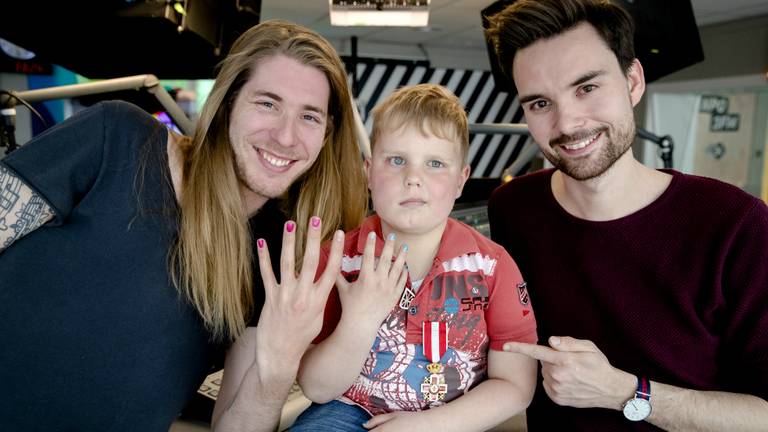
(489, 154)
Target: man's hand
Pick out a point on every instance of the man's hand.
(293, 309)
(577, 374)
(261, 366)
(378, 286)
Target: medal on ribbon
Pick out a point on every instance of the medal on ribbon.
(435, 343)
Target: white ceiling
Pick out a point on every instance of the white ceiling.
(454, 36)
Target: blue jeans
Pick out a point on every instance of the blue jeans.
(332, 416)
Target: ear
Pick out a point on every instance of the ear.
(464, 176)
(635, 81)
(367, 165)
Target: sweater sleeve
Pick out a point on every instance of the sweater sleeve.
(745, 290)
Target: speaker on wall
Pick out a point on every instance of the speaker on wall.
(666, 37)
(115, 38)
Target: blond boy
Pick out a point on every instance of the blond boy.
(413, 334)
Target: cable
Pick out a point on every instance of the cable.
(26, 104)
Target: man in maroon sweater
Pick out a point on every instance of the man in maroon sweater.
(651, 287)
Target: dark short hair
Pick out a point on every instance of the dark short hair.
(527, 21)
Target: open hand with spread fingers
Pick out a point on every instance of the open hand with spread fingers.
(379, 284)
(293, 308)
(576, 373)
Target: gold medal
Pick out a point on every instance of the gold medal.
(435, 344)
(434, 387)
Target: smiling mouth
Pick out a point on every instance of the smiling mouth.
(273, 159)
(583, 143)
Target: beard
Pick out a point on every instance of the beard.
(618, 142)
(257, 180)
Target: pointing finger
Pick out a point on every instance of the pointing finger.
(569, 344)
(534, 351)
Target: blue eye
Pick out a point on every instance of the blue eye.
(266, 104)
(435, 164)
(397, 161)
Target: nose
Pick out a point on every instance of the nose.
(568, 119)
(412, 176)
(284, 131)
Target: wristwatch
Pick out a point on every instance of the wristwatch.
(638, 408)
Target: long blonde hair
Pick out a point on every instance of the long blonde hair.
(213, 255)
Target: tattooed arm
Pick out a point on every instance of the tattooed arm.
(21, 209)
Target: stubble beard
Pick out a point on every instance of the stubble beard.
(255, 184)
(592, 166)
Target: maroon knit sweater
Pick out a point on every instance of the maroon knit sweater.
(677, 291)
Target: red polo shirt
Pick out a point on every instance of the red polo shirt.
(473, 285)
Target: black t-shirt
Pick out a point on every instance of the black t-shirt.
(94, 336)
(266, 224)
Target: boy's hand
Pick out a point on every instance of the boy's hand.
(395, 421)
(378, 286)
(293, 309)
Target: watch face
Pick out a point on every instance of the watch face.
(637, 409)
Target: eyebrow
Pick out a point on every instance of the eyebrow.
(276, 97)
(526, 99)
(579, 81)
(587, 77)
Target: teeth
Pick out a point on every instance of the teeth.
(580, 144)
(274, 161)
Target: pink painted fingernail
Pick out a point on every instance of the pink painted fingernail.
(290, 226)
(260, 243)
(315, 221)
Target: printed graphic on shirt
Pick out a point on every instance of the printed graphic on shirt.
(469, 289)
(471, 262)
(394, 371)
(457, 291)
(522, 293)
(451, 305)
(461, 300)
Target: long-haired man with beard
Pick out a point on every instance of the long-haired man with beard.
(126, 261)
(650, 285)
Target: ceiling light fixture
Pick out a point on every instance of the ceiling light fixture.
(384, 13)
